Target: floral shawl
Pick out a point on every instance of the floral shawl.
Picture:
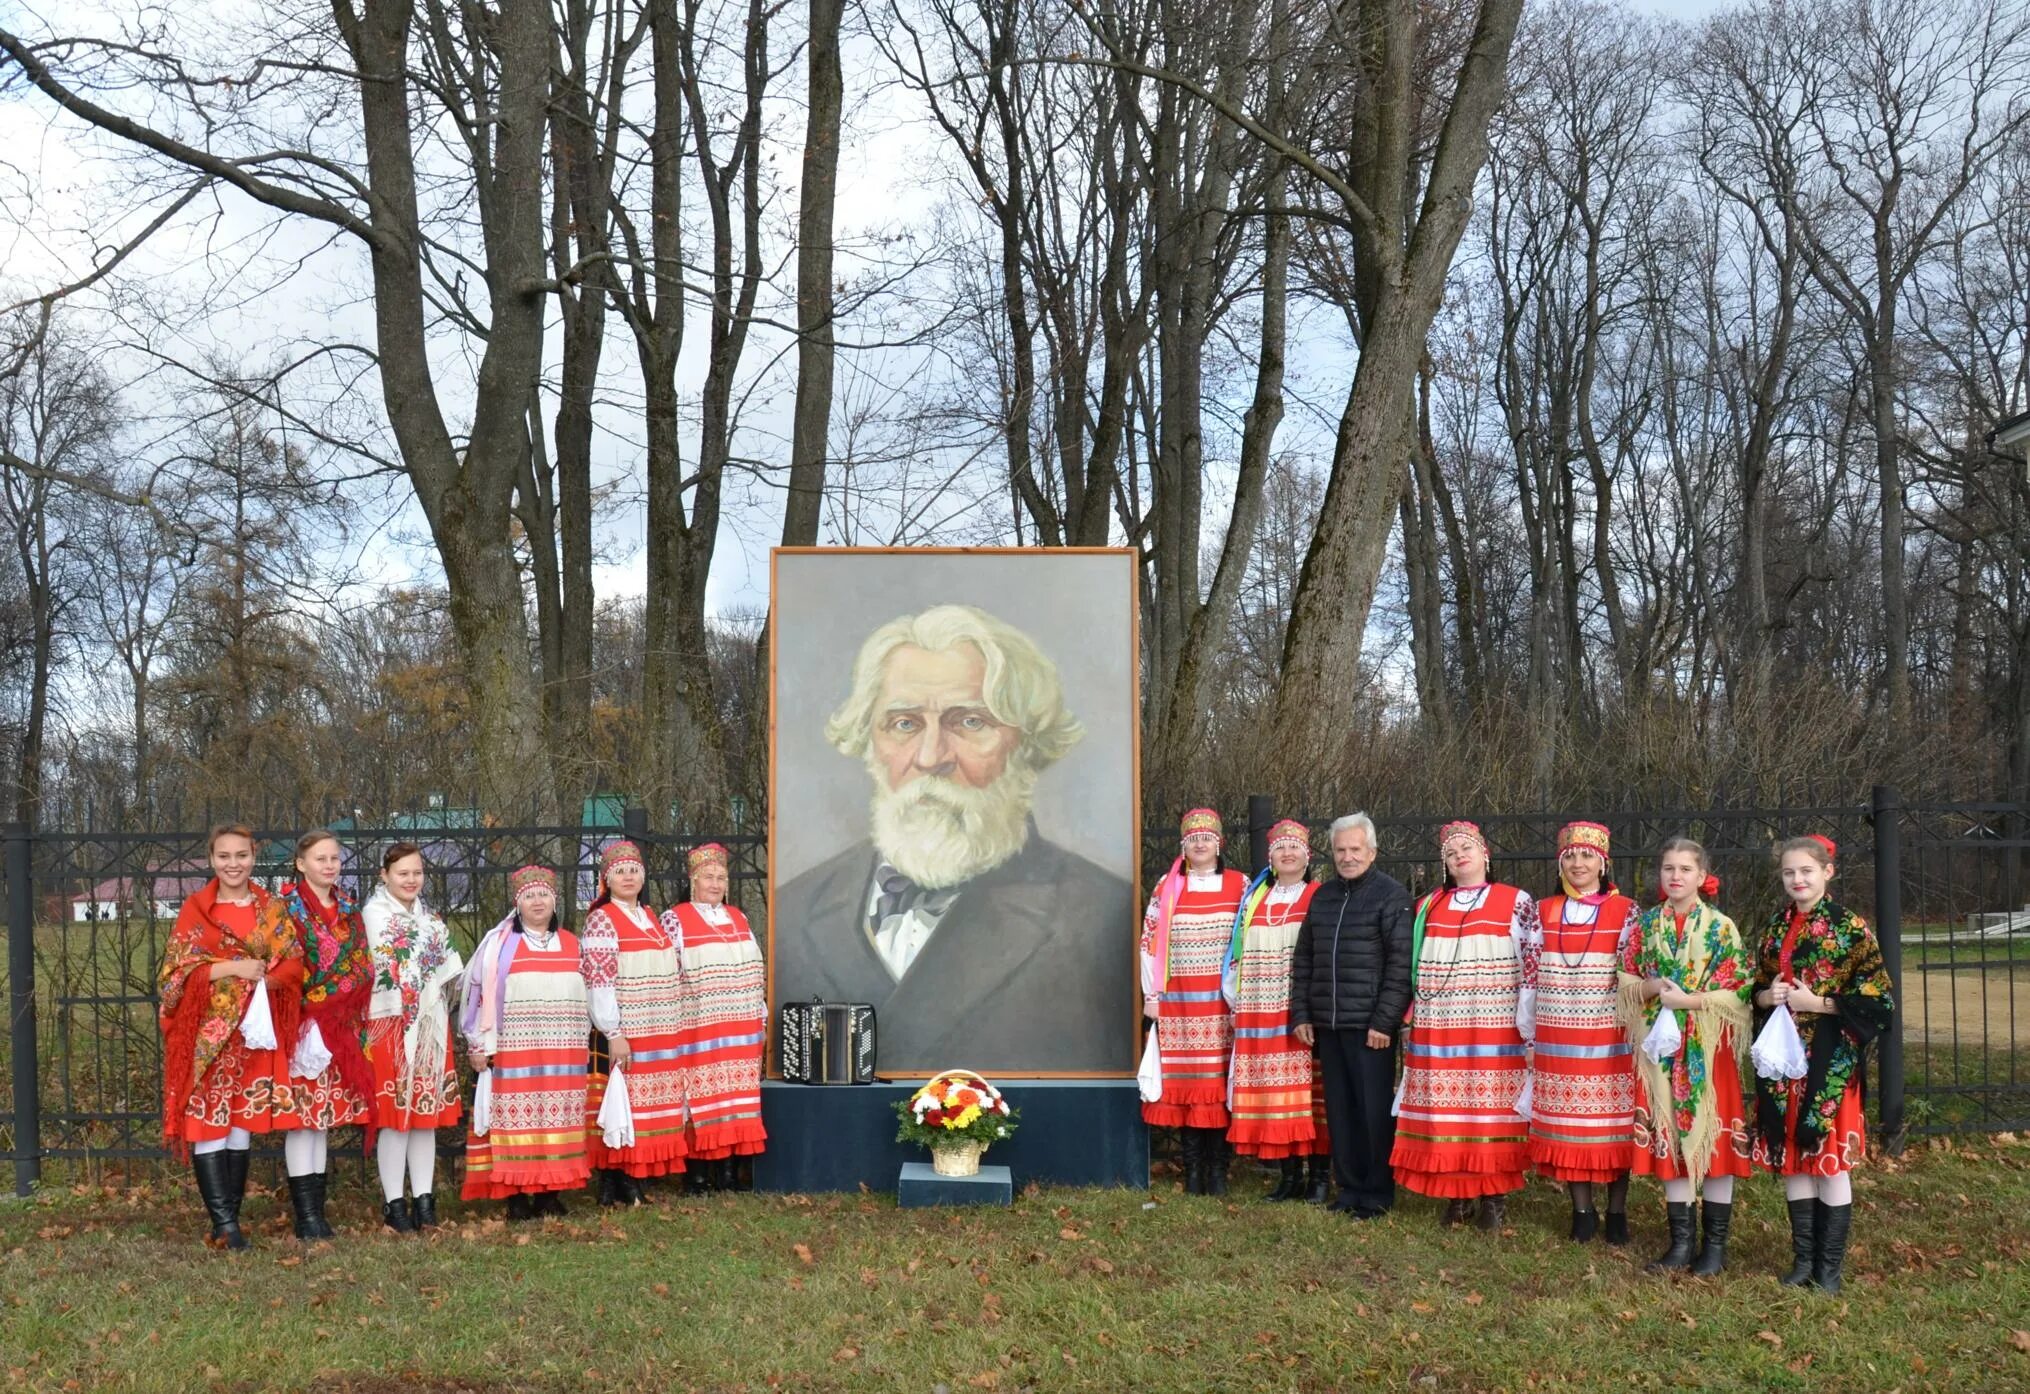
(415, 967)
(1835, 955)
(1707, 960)
(338, 976)
(198, 1016)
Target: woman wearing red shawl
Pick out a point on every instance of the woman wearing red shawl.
(229, 990)
(1185, 938)
(725, 1020)
(1582, 1070)
(329, 1082)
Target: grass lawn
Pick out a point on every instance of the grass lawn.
(109, 1289)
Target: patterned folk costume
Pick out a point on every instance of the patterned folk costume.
(409, 1039)
(1689, 1118)
(725, 1016)
(338, 980)
(525, 1007)
(1812, 1126)
(212, 1081)
(1185, 937)
(635, 978)
(1582, 1067)
(1275, 1091)
(1458, 1135)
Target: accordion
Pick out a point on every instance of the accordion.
(825, 1042)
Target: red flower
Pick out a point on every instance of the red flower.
(934, 1116)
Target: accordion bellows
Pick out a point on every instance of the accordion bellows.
(826, 1042)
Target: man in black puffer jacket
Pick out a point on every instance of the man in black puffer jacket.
(1349, 989)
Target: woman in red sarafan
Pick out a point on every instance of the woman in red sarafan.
(635, 985)
(1820, 962)
(725, 999)
(1185, 938)
(1275, 1095)
(228, 992)
(409, 1038)
(1582, 1072)
(329, 1083)
(1473, 978)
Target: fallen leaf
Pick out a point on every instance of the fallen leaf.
(1474, 1299)
(1069, 1233)
(803, 1253)
(1422, 1307)
(661, 1289)
(844, 1353)
(1687, 1319)
(2020, 1340)
(1775, 1341)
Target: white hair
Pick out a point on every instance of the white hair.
(1355, 820)
(1021, 686)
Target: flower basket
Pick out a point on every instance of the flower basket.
(957, 1115)
(957, 1159)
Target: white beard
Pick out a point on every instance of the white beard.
(939, 833)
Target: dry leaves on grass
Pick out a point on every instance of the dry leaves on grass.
(803, 1253)
(2020, 1340)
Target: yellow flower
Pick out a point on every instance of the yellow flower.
(965, 1119)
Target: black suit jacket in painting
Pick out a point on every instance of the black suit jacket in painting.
(1032, 968)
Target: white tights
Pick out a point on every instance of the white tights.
(303, 1151)
(238, 1140)
(1718, 1190)
(1837, 1189)
(410, 1149)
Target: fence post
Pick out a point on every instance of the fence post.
(1261, 814)
(1886, 813)
(21, 1009)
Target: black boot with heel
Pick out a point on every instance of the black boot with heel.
(214, 1173)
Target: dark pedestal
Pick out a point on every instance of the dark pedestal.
(919, 1185)
(1073, 1132)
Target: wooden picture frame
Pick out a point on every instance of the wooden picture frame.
(1130, 1006)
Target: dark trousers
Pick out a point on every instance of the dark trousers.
(1360, 1083)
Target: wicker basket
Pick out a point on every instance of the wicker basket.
(957, 1159)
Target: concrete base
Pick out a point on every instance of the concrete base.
(920, 1185)
(1072, 1132)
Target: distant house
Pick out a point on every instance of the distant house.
(159, 891)
(2012, 437)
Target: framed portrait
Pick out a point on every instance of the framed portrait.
(954, 801)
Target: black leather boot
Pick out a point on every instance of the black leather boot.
(609, 1187)
(221, 1202)
(1679, 1254)
(1319, 1189)
(1493, 1213)
(1835, 1223)
(1713, 1252)
(1457, 1212)
(395, 1215)
(1191, 1146)
(549, 1206)
(521, 1208)
(1585, 1224)
(423, 1211)
(236, 1176)
(1616, 1231)
(1215, 1162)
(1804, 1239)
(1291, 1186)
(306, 1206)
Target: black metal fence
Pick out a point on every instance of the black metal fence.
(1944, 884)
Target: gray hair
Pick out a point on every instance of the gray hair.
(1355, 820)
(1021, 686)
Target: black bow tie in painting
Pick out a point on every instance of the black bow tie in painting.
(898, 895)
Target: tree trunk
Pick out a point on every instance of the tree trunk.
(819, 194)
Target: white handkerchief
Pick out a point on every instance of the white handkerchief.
(312, 1057)
(616, 1116)
(1778, 1051)
(257, 1027)
(1526, 1100)
(1664, 1038)
(482, 1104)
(1150, 1076)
